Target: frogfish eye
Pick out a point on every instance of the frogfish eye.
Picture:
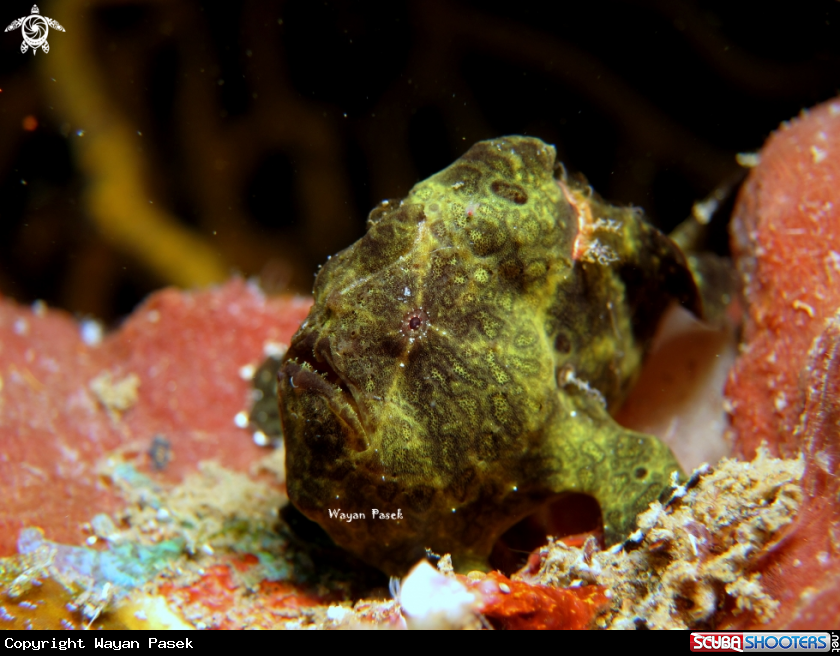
(414, 324)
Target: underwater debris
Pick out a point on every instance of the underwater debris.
(51, 585)
(693, 555)
(213, 509)
(160, 452)
(124, 566)
(116, 396)
(430, 600)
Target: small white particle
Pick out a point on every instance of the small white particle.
(748, 160)
(636, 535)
(799, 305)
(599, 253)
(693, 541)
(704, 210)
(337, 613)
(91, 540)
(152, 316)
(275, 349)
(247, 371)
(141, 615)
(261, 439)
(92, 332)
(241, 419)
(818, 154)
(39, 308)
(20, 326)
(823, 459)
(504, 587)
(406, 292)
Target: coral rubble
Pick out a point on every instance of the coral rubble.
(692, 556)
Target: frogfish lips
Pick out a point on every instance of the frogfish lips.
(309, 381)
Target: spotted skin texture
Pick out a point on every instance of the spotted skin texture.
(461, 359)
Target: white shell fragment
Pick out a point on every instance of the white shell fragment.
(430, 600)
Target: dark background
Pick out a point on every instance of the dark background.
(173, 142)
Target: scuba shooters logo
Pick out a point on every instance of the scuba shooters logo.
(35, 29)
(755, 641)
(717, 642)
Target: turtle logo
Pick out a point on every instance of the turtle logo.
(35, 29)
